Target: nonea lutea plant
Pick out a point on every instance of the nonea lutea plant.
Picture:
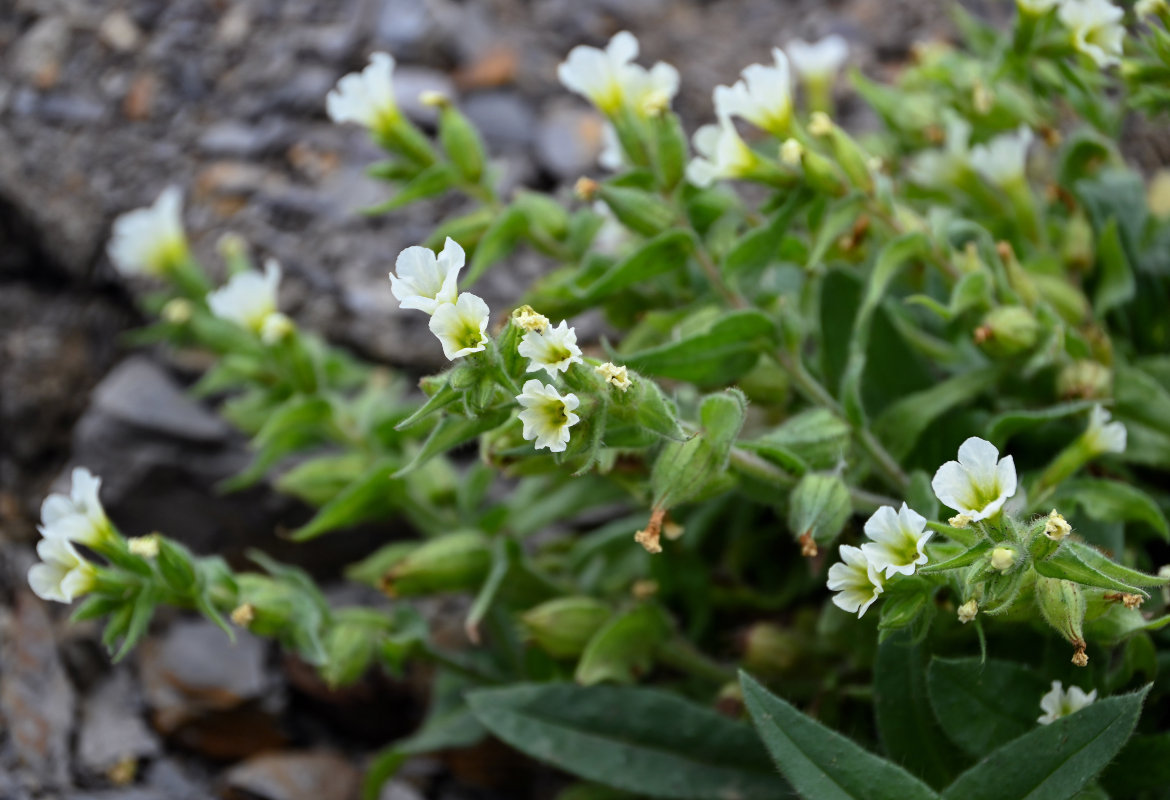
(876, 412)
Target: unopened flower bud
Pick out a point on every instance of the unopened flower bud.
(791, 152)
(144, 546)
(644, 589)
(1003, 558)
(177, 311)
(277, 327)
(820, 124)
(770, 650)
(655, 103)
(562, 627)
(434, 99)
(615, 375)
(968, 611)
(1084, 379)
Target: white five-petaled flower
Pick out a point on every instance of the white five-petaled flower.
(615, 375)
(1058, 703)
(1104, 436)
(78, 516)
(763, 96)
(1002, 160)
(547, 415)
(426, 281)
(819, 60)
(461, 326)
(610, 79)
(899, 540)
(249, 298)
(979, 483)
(855, 580)
(150, 241)
(366, 97)
(551, 349)
(722, 154)
(62, 573)
(1096, 28)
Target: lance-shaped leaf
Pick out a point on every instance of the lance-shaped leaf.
(727, 349)
(900, 424)
(1113, 501)
(1102, 563)
(639, 740)
(371, 495)
(662, 254)
(624, 648)
(982, 704)
(820, 762)
(1009, 423)
(964, 559)
(1066, 565)
(451, 432)
(498, 242)
(1056, 760)
(435, 179)
(756, 249)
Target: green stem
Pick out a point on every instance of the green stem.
(682, 655)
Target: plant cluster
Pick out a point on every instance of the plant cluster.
(804, 326)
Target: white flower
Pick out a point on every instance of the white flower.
(614, 374)
(819, 60)
(461, 326)
(1036, 7)
(763, 96)
(1058, 703)
(1002, 160)
(426, 281)
(62, 574)
(610, 79)
(722, 154)
(1096, 28)
(942, 167)
(612, 157)
(856, 581)
(547, 415)
(899, 540)
(552, 349)
(1148, 8)
(78, 516)
(978, 483)
(1102, 435)
(249, 298)
(366, 97)
(150, 241)
(1056, 527)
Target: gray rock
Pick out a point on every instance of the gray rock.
(112, 727)
(232, 138)
(119, 32)
(68, 109)
(402, 25)
(568, 141)
(37, 56)
(36, 698)
(168, 779)
(295, 776)
(400, 790)
(138, 392)
(505, 119)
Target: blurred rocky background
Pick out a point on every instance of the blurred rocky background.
(103, 103)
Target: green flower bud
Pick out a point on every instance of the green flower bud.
(640, 211)
(1063, 605)
(457, 561)
(818, 510)
(349, 647)
(1008, 331)
(543, 213)
(265, 605)
(770, 650)
(562, 627)
(1077, 243)
(1085, 379)
(670, 149)
(822, 174)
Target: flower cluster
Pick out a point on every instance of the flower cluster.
(429, 283)
(63, 574)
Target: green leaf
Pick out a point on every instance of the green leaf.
(1004, 426)
(1112, 501)
(368, 497)
(905, 721)
(900, 424)
(295, 425)
(1065, 565)
(498, 242)
(964, 559)
(1053, 762)
(758, 247)
(1139, 396)
(1115, 285)
(893, 256)
(435, 179)
(624, 648)
(443, 397)
(451, 432)
(664, 253)
(727, 349)
(820, 762)
(982, 704)
(817, 438)
(319, 480)
(638, 740)
(141, 614)
(1102, 563)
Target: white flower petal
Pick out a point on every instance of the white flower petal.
(461, 327)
